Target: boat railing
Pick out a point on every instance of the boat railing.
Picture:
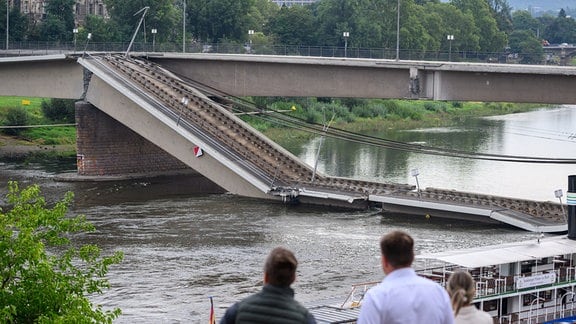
(490, 282)
(356, 294)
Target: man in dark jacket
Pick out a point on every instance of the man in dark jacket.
(275, 302)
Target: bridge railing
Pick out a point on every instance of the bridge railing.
(43, 48)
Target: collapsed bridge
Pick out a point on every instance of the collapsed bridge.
(181, 119)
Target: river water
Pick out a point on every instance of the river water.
(182, 247)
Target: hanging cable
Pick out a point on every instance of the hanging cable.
(275, 117)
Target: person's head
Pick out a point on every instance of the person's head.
(280, 267)
(397, 250)
(461, 288)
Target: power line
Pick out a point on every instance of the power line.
(242, 105)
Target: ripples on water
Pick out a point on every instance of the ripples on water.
(181, 248)
(180, 251)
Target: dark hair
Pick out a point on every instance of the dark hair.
(280, 267)
(398, 248)
(461, 288)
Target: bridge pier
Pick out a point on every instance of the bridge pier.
(105, 146)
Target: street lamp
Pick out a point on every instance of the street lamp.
(154, 31)
(398, 31)
(450, 39)
(7, 23)
(184, 101)
(88, 38)
(184, 27)
(75, 31)
(250, 33)
(558, 193)
(346, 35)
(415, 173)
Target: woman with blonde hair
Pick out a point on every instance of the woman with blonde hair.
(461, 288)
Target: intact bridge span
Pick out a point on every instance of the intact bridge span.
(183, 119)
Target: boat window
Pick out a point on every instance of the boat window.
(490, 305)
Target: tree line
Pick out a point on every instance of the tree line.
(476, 25)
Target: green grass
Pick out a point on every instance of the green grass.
(34, 108)
(65, 135)
(399, 115)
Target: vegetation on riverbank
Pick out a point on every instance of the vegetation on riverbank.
(351, 114)
(48, 115)
(374, 115)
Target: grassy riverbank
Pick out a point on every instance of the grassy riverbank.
(368, 116)
(355, 115)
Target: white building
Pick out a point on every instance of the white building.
(36, 9)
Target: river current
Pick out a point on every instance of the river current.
(182, 247)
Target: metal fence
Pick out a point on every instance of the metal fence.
(43, 48)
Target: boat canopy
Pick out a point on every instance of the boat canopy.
(506, 253)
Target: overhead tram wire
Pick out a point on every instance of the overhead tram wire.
(281, 119)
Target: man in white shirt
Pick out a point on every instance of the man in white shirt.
(403, 296)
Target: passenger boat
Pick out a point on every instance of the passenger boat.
(523, 282)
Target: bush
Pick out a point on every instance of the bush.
(15, 116)
(352, 102)
(45, 278)
(59, 110)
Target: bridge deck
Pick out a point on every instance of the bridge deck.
(280, 175)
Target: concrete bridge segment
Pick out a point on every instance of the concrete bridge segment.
(261, 75)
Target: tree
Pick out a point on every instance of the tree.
(336, 17)
(529, 48)
(561, 30)
(59, 110)
(102, 30)
(214, 20)
(491, 39)
(59, 20)
(444, 19)
(16, 116)
(293, 26)
(162, 15)
(502, 12)
(18, 23)
(523, 20)
(45, 278)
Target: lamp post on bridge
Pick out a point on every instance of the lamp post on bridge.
(88, 38)
(250, 33)
(450, 39)
(154, 31)
(558, 194)
(75, 32)
(398, 31)
(184, 26)
(346, 35)
(7, 23)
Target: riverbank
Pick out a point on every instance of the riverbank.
(15, 148)
(396, 115)
(409, 115)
